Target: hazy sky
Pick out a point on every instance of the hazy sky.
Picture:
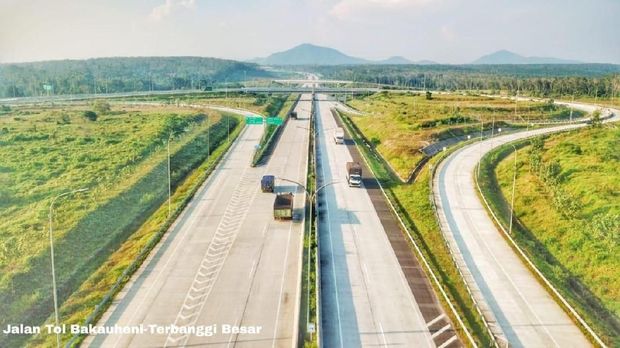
(447, 31)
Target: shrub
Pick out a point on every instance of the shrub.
(90, 115)
(101, 107)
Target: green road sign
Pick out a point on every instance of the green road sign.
(274, 120)
(253, 120)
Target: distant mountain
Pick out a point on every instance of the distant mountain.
(507, 57)
(395, 60)
(425, 62)
(308, 54)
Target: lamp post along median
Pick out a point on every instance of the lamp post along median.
(51, 235)
(311, 197)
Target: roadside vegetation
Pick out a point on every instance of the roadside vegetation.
(400, 125)
(567, 215)
(119, 154)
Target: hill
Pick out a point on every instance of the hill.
(308, 54)
(121, 74)
(396, 60)
(507, 57)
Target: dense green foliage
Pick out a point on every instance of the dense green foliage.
(567, 215)
(109, 75)
(600, 80)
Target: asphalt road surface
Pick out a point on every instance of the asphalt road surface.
(226, 261)
(520, 305)
(366, 300)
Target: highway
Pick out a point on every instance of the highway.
(225, 261)
(519, 304)
(366, 300)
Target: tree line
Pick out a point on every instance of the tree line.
(580, 80)
(111, 75)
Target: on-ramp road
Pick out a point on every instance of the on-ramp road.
(522, 308)
(225, 261)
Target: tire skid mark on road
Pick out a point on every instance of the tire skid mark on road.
(215, 256)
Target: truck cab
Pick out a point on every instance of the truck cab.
(267, 183)
(339, 135)
(354, 174)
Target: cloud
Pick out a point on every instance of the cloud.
(167, 7)
(354, 9)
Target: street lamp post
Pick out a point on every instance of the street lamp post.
(55, 293)
(169, 176)
(311, 196)
(514, 182)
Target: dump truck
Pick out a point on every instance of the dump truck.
(267, 183)
(354, 174)
(339, 136)
(283, 206)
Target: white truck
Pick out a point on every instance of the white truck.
(354, 174)
(339, 136)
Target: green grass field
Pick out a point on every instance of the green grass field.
(120, 157)
(401, 125)
(568, 206)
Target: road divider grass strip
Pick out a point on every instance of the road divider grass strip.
(310, 272)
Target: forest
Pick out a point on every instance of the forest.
(546, 80)
(111, 75)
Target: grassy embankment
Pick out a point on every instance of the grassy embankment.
(120, 157)
(567, 216)
(397, 126)
(403, 124)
